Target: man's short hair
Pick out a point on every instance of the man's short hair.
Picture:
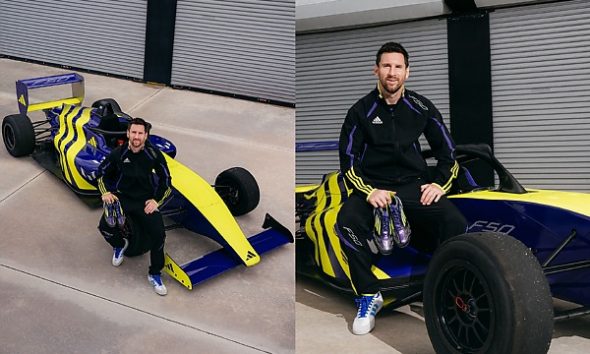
(393, 47)
(140, 121)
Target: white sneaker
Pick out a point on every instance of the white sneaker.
(368, 306)
(156, 282)
(118, 254)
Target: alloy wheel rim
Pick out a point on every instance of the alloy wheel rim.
(465, 309)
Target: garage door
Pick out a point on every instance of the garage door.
(102, 35)
(241, 47)
(334, 70)
(540, 84)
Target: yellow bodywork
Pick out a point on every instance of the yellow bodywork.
(50, 104)
(576, 202)
(176, 272)
(200, 194)
(319, 226)
(68, 130)
(305, 188)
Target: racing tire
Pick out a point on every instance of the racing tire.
(18, 135)
(486, 293)
(137, 245)
(111, 101)
(238, 189)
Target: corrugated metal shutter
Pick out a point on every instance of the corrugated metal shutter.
(334, 70)
(102, 35)
(243, 47)
(540, 84)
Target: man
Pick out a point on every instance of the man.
(128, 187)
(380, 157)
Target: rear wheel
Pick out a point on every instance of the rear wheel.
(18, 135)
(486, 293)
(238, 189)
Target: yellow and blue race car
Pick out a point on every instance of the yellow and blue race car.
(487, 291)
(73, 140)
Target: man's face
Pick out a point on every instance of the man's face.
(391, 72)
(136, 135)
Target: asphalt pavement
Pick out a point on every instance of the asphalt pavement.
(60, 292)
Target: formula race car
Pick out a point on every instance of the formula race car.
(73, 140)
(487, 291)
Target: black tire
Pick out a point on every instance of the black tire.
(486, 293)
(138, 245)
(238, 189)
(111, 101)
(18, 135)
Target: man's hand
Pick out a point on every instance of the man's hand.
(380, 198)
(150, 206)
(109, 198)
(430, 193)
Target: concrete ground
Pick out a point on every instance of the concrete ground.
(325, 316)
(60, 293)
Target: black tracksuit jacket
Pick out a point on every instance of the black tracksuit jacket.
(379, 145)
(129, 174)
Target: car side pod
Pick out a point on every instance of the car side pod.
(217, 262)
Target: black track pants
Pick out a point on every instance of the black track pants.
(152, 227)
(433, 223)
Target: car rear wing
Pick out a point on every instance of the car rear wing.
(23, 87)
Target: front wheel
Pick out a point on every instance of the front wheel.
(18, 135)
(238, 189)
(486, 293)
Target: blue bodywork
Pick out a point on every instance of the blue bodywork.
(542, 228)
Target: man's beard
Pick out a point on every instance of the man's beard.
(394, 90)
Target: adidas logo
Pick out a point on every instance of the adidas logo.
(250, 255)
(377, 120)
(126, 160)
